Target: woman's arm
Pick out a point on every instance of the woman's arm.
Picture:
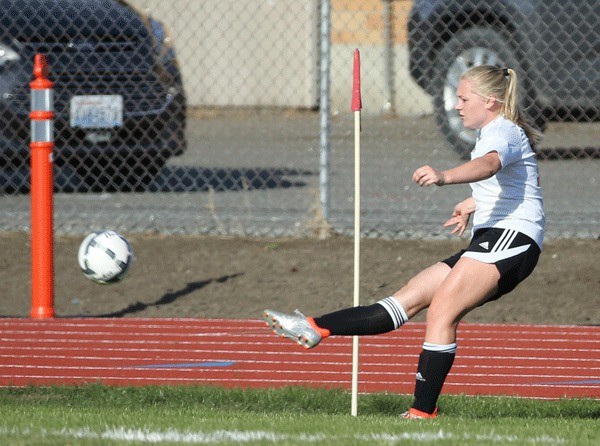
(475, 170)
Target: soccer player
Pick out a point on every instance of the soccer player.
(508, 229)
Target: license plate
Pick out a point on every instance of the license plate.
(96, 112)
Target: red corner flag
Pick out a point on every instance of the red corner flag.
(356, 102)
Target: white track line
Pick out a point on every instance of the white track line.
(527, 353)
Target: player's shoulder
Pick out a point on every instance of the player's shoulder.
(504, 129)
(502, 125)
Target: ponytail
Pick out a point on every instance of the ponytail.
(511, 110)
(502, 83)
(510, 107)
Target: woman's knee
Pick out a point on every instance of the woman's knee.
(412, 299)
(443, 313)
(416, 295)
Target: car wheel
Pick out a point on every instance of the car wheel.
(468, 48)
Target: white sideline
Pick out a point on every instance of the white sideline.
(241, 436)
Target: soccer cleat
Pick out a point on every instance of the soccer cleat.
(293, 326)
(415, 414)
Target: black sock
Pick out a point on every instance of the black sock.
(433, 368)
(370, 320)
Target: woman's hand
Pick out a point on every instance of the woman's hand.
(460, 216)
(427, 175)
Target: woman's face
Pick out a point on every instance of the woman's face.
(474, 109)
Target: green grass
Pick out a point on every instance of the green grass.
(100, 415)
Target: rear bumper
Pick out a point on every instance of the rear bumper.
(159, 133)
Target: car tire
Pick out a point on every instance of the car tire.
(467, 48)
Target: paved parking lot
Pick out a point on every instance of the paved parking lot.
(258, 174)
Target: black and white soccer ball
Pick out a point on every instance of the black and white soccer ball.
(105, 257)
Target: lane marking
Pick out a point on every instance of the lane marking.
(571, 383)
(185, 365)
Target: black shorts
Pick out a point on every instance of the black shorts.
(514, 254)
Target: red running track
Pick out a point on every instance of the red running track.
(493, 359)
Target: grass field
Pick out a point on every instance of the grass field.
(101, 415)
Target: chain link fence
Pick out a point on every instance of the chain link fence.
(228, 117)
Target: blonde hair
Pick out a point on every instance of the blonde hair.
(502, 84)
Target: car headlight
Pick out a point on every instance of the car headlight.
(7, 54)
(164, 47)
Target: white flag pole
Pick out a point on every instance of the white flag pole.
(356, 108)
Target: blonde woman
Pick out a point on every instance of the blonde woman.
(507, 234)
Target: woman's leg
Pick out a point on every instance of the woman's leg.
(468, 285)
(390, 313)
(386, 315)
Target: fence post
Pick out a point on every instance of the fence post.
(42, 183)
(388, 37)
(325, 44)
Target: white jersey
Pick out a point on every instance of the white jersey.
(512, 198)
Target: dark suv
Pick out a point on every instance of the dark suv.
(118, 95)
(554, 45)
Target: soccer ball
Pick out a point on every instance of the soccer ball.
(105, 257)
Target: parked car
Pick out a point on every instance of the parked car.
(119, 101)
(554, 45)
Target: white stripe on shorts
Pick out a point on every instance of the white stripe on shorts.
(500, 250)
(507, 237)
(493, 257)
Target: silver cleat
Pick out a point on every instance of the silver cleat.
(293, 326)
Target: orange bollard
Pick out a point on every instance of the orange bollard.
(42, 183)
